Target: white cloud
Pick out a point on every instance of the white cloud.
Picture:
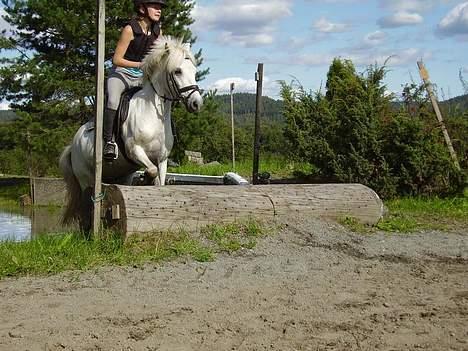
(409, 5)
(325, 26)
(243, 22)
(375, 38)
(403, 57)
(400, 19)
(311, 59)
(455, 22)
(241, 85)
(359, 57)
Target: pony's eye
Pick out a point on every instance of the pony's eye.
(178, 72)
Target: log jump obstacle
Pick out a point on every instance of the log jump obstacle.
(137, 209)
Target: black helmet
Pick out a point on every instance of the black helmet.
(137, 3)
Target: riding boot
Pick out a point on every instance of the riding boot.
(110, 147)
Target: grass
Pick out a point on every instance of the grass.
(48, 255)
(412, 214)
(235, 236)
(276, 166)
(415, 214)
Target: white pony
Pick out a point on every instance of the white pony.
(169, 75)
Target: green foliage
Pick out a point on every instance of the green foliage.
(352, 134)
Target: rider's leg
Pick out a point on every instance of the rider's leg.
(117, 83)
(115, 86)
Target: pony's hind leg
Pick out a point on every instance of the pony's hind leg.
(139, 155)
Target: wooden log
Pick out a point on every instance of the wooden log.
(131, 209)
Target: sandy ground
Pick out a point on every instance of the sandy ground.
(313, 286)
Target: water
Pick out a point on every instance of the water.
(24, 224)
(14, 227)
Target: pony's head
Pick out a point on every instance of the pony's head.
(170, 67)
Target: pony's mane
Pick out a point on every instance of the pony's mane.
(166, 53)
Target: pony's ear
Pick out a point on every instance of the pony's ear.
(187, 46)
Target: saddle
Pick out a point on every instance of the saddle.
(122, 111)
(121, 117)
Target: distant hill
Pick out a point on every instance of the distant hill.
(460, 102)
(7, 116)
(245, 105)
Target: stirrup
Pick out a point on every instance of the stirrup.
(111, 156)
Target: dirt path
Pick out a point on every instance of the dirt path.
(314, 286)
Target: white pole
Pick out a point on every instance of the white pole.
(232, 130)
(100, 41)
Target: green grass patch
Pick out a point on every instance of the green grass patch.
(278, 168)
(51, 254)
(235, 236)
(413, 214)
(408, 215)
(354, 225)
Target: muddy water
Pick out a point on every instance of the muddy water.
(23, 224)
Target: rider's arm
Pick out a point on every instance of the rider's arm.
(125, 38)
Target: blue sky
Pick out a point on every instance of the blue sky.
(298, 39)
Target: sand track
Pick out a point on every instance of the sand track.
(313, 286)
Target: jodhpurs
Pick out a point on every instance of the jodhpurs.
(117, 82)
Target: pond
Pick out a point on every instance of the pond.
(21, 224)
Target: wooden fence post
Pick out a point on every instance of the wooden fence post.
(259, 79)
(425, 77)
(99, 105)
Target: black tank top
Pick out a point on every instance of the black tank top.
(141, 43)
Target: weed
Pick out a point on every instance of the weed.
(354, 225)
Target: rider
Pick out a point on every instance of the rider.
(135, 41)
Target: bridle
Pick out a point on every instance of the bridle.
(175, 92)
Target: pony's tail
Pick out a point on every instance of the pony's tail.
(73, 198)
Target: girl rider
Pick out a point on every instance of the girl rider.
(135, 41)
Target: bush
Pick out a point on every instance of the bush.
(353, 133)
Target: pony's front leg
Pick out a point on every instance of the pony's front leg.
(162, 166)
(137, 154)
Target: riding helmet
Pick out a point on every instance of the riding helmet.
(137, 3)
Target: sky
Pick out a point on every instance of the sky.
(296, 40)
